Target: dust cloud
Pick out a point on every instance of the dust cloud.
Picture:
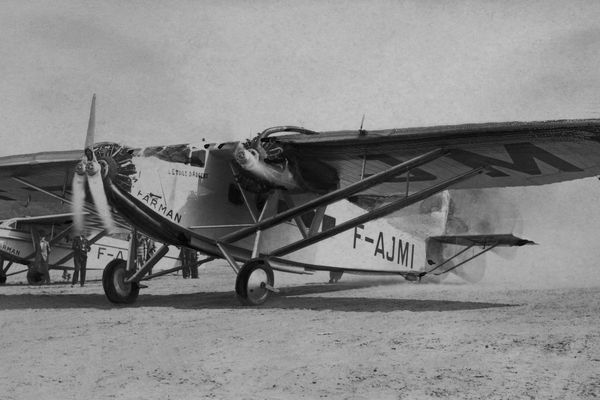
(561, 218)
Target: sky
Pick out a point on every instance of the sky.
(183, 71)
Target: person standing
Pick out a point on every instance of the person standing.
(81, 246)
(150, 250)
(142, 251)
(66, 276)
(189, 259)
(44, 249)
(185, 271)
(193, 261)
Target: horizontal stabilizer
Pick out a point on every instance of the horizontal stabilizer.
(483, 240)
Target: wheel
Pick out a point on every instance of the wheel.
(335, 276)
(34, 277)
(113, 282)
(254, 282)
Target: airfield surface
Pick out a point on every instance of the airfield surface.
(363, 338)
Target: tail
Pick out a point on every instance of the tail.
(473, 212)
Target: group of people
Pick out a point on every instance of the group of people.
(188, 257)
(189, 262)
(80, 246)
(145, 250)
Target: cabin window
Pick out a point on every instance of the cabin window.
(198, 158)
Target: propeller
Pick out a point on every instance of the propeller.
(89, 170)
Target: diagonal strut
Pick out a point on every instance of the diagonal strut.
(335, 195)
(374, 214)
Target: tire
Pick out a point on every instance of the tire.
(34, 277)
(113, 282)
(335, 276)
(250, 285)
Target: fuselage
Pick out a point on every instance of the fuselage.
(187, 195)
(17, 245)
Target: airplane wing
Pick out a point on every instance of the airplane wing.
(514, 154)
(42, 219)
(50, 171)
(23, 223)
(36, 188)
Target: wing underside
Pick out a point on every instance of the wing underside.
(36, 189)
(25, 178)
(513, 154)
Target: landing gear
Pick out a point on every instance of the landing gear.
(335, 276)
(34, 277)
(254, 283)
(66, 276)
(113, 281)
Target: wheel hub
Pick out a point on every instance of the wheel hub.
(257, 285)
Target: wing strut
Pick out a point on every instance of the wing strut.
(450, 259)
(487, 242)
(139, 274)
(374, 214)
(416, 276)
(468, 259)
(53, 241)
(336, 195)
(243, 192)
(93, 240)
(175, 269)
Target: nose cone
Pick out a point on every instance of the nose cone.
(242, 156)
(117, 164)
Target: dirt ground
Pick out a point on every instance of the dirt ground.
(363, 338)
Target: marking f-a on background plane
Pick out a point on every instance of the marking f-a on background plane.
(297, 200)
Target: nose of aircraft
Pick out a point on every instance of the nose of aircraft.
(89, 170)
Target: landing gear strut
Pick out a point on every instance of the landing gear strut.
(335, 276)
(254, 282)
(113, 281)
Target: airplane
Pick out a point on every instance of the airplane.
(19, 236)
(297, 200)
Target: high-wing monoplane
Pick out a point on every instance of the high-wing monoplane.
(297, 200)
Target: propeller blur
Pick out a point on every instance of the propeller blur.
(89, 170)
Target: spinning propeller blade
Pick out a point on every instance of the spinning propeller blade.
(78, 189)
(97, 189)
(89, 169)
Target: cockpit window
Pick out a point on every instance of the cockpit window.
(179, 153)
(198, 158)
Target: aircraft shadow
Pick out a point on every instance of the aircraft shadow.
(290, 298)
